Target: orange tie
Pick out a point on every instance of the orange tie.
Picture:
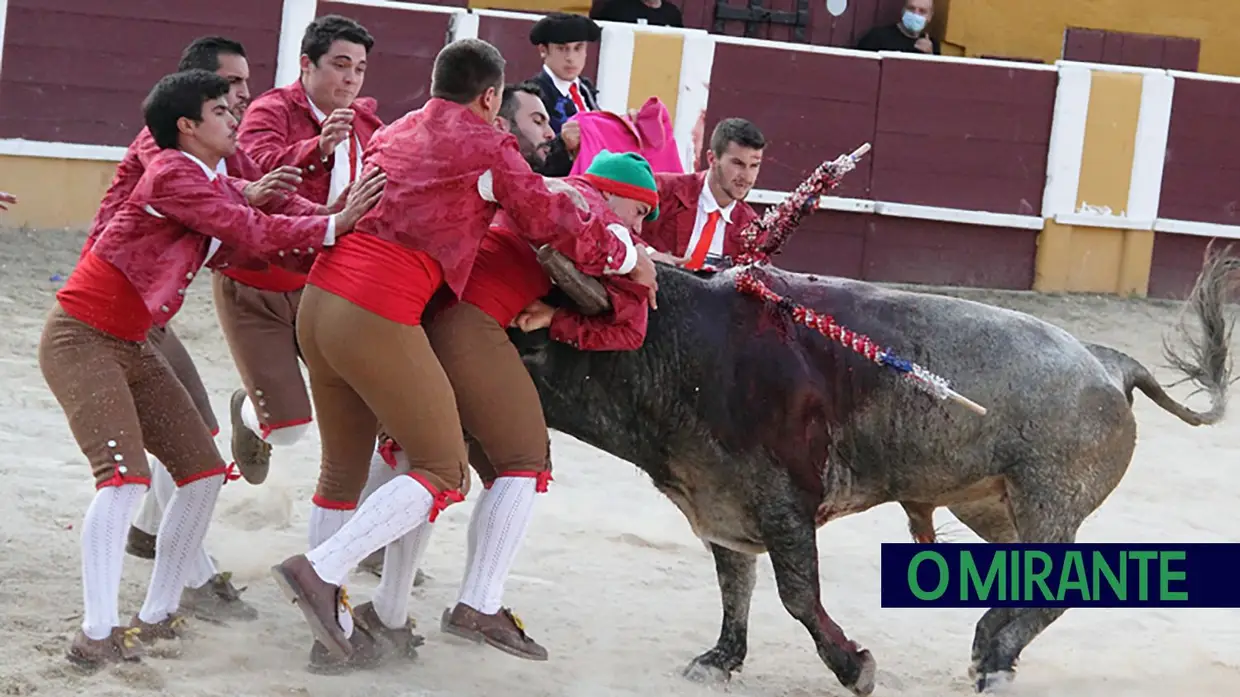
(703, 246)
(576, 95)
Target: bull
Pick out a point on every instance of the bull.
(761, 430)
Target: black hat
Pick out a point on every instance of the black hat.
(564, 28)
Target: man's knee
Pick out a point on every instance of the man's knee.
(538, 469)
(286, 436)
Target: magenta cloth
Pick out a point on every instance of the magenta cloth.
(650, 136)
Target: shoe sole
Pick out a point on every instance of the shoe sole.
(296, 595)
(253, 473)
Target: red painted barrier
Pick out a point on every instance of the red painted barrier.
(76, 71)
(963, 135)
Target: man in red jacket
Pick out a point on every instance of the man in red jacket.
(702, 213)
(118, 394)
(319, 125)
(208, 593)
(360, 323)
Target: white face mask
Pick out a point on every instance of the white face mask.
(914, 22)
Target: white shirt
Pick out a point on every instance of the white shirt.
(707, 205)
(342, 170)
(562, 86)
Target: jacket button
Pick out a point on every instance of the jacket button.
(281, 252)
(310, 168)
(296, 251)
(189, 276)
(163, 308)
(309, 250)
(180, 291)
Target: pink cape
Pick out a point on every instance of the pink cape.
(649, 135)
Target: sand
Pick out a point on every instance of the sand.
(610, 580)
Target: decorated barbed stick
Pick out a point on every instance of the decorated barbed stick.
(778, 222)
(826, 325)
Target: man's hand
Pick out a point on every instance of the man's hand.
(336, 128)
(665, 258)
(924, 45)
(537, 315)
(342, 199)
(273, 186)
(361, 199)
(570, 133)
(6, 199)
(645, 274)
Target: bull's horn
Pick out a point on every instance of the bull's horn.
(585, 291)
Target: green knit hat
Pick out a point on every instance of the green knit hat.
(625, 174)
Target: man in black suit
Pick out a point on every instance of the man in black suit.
(562, 40)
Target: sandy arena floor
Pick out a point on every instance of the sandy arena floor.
(611, 580)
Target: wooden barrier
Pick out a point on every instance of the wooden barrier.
(1066, 177)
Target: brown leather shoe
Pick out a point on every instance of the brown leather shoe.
(121, 645)
(399, 641)
(171, 627)
(318, 601)
(367, 653)
(374, 644)
(218, 601)
(140, 544)
(251, 453)
(503, 630)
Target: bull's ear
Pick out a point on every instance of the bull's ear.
(586, 292)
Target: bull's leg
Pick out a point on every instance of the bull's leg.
(992, 520)
(1042, 515)
(789, 538)
(737, 575)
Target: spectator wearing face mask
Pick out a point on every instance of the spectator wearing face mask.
(908, 35)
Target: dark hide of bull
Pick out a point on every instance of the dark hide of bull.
(760, 431)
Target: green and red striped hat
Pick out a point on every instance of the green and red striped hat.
(625, 174)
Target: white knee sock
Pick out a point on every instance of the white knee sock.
(381, 472)
(180, 539)
(504, 515)
(471, 535)
(325, 522)
(201, 568)
(103, 556)
(400, 561)
(397, 508)
(151, 512)
(283, 437)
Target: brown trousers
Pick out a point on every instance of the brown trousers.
(169, 344)
(122, 400)
(364, 370)
(260, 328)
(498, 405)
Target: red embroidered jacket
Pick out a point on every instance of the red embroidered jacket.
(280, 128)
(178, 217)
(138, 157)
(507, 277)
(678, 205)
(448, 171)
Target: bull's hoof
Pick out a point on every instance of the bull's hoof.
(991, 678)
(993, 682)
(712, 667)
(864, 684)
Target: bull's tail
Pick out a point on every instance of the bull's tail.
(1209, 362)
